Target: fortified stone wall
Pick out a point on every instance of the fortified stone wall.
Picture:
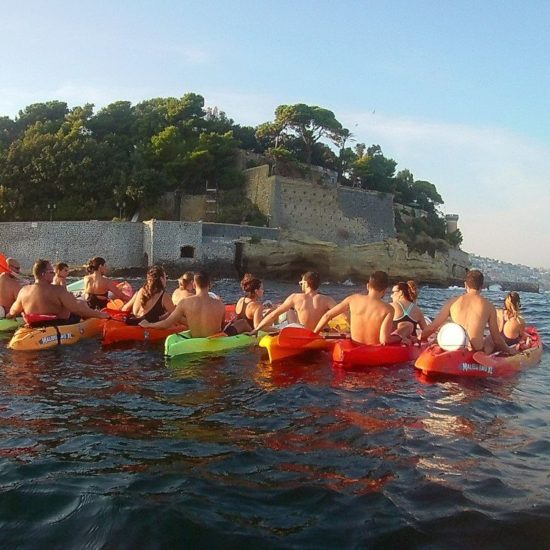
(334, 214)
(120, 243)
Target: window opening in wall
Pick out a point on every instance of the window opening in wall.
(187, 252)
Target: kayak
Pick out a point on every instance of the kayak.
(183, 343)
(291, 342)
(38, 338)
(464, 362)
(118, 331)
(349, 354)
(10, 324)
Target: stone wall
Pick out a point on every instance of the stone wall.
(120, 243)
(333, 214)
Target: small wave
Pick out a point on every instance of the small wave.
(348, 282)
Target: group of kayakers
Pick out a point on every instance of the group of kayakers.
(371, 319)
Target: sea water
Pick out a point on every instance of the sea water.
(115, 448)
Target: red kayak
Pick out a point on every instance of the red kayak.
(435, 360)
(348, 354)
(118, 331)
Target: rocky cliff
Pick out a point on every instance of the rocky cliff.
(289, 257)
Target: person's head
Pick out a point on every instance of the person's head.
(13, 265)
(378, 281)
(155, 282)
(407, 290)
(61, 269)
(310, 279)
(251, 285)
(43, 270)
(96, 264)
(202, 280)
(474, 279)
(512, 304)
(185, 282)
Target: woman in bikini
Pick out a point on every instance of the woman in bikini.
(407, 315)
(151, 302)
(249, 309)
(510, 321)
(97, 286)
(185, 287)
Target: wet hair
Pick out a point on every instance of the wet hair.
(379, 281)
(40, 267)
(474, 279)
(185, 279)
(312, 279)
(512, 304)
(201, 279)
(153, 284)
(250, 284)
(409, 290)
(95, 263)
(60, 266)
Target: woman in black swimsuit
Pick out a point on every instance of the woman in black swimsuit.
(407, 315)
(249, 309)
(151, 302)
(97, 286)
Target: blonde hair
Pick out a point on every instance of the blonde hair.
(512, 305)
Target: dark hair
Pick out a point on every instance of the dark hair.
(312, 278)
(379, 281)
(250, 284)
(201, 279)
(59, 266)
(474, 279)
(186, 278)
(408, 289)
(95, 263)
(40, 267)
(153, 284)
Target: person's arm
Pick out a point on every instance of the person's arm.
(497, 336)
(168, 305)
(16, 308)
(441, 318)
(117, 293)
(129, 306)
(331, 313)
(77, 307)
(269, 319)
(258, 315)
(171, 321)
(386, 336)
(421, 320)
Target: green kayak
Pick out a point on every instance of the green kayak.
(183, 343)
(10, 324)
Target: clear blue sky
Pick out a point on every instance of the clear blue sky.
(454, 91)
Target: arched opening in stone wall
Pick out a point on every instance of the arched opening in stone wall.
(187, 252)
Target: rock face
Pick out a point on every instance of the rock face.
(290, 257)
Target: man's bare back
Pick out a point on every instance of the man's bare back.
(370, 319)
(310, 307)
(9, 289)
(205, 315)
(473, 312)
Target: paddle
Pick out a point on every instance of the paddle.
(298, 336)
(4, 267)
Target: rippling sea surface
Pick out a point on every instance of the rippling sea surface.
(115, 448)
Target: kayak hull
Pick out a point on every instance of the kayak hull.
(182, 343)
(39, 338)
(7, 325)
(277, 351)
(435, 360)
(348, 354)
(117, 331)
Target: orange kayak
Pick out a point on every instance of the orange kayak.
(464, 362)
(350, 355)
(118, 331)
(293, 341)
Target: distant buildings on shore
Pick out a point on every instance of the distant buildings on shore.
(496, 270)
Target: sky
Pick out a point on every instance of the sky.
(455, 91)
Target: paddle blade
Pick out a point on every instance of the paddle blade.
(4, 267)
(292, 336)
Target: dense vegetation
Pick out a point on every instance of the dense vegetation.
(125, 157)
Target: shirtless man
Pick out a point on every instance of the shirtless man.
(10, 286)
(46, 299)
(371, 319)
(473, 312)
(309, 305)
(203, 314)
(61, 274)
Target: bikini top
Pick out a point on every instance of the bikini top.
(405, 316)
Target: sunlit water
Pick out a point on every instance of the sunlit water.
(114, 448)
